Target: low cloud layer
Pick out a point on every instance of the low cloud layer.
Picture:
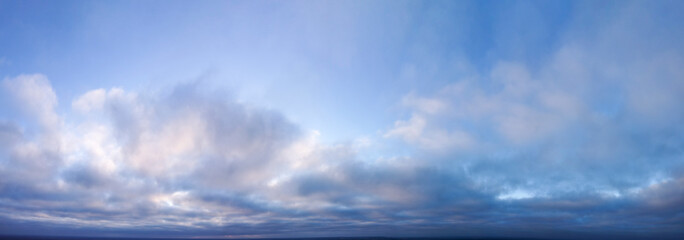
(192, 162)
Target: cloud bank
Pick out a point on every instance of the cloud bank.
(532, 157)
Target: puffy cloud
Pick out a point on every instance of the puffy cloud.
(28, 160)
(192, 160)
(92, 100)
(35, 95)
(142, 155)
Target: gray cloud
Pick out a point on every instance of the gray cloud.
(207, 166)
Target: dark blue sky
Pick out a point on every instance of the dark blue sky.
(546, 119)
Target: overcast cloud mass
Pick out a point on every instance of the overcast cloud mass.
(342, 118)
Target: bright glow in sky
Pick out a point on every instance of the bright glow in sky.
(342, 118)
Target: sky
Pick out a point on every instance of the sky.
(239, 119)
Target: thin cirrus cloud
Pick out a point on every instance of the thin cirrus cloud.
(586, 142)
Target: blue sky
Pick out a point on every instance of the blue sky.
(342, 118)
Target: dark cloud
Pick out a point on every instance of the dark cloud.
(83, 175)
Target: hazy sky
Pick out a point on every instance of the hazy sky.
(342, 118)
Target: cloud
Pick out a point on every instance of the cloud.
(582, 133)
(415, 131)
(425, 105)
(190, 159)
(584, 144)
(136, 154)
(36, 96)
(92, 100)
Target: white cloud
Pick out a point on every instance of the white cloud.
(417, 131)
(516, 194)
(424, 105)
(35, 95)
(410, 130)
(92, 100)
(513, 104)
(128, 150)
